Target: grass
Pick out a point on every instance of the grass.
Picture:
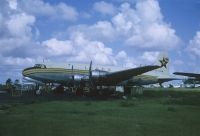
(163, 116)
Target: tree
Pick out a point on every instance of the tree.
(9, 85)
(16, 82)
(8, 82)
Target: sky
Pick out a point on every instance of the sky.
(126, 33)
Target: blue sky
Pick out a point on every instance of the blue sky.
(115, 32)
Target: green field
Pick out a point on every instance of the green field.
(143, 116)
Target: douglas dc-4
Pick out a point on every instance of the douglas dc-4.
(95, 77)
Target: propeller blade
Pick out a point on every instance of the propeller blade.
(90, 70)
(90, 75)
(72, 75)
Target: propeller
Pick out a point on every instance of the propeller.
(90, 76)
(92, 84)
(72, 75)
(90, 71)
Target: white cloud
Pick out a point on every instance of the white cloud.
(132, 25)
(66, 12)
(121, 55)
(129, 1)
(1, 19)
(12, 4)
(150, 56)
(86, 50)
(16, 31)
(194, 45)
(85, 15)
(101, 30)
(104, 8)
(56, 48)
(144, 27)
(9, 44)
(146, 58)
(19, 61)
(78, 49)
(19, 25)
(149, 11)
(121, 25)
(178, 62)
(141, 27)
(38, 7)
(56, 11)
(124, 60)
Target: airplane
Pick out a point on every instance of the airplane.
(192, 77)
(94, 77)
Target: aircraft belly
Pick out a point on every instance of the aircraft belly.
(142, 81)
(146, 82)
(51, 77)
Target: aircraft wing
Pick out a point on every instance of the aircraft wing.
(119, 76)
(29, 80)
(187, 74)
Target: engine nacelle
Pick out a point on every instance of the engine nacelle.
(78, 77)
(98, 73)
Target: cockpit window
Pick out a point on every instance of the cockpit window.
(40, 66)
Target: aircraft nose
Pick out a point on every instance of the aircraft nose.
(25, 72)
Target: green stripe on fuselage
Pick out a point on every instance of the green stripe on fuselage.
(55, 70)
(145, 77)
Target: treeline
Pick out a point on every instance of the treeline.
(10, 85)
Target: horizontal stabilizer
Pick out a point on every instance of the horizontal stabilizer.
(187, 74)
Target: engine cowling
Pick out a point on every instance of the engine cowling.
(98, 73)
(78, 77)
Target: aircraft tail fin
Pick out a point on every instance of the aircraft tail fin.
(163, 60)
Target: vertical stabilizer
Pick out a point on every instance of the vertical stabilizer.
(163, 60)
